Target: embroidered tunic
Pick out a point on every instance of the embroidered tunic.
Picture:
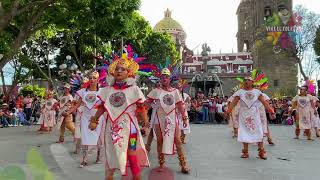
(250, 126)
(186, 130)
(121, 121)
(48, 116)
(263, 115)
(77, 133)
(166, 115)
(64, 106)
(88, 109)
(234, 114)
(314, 117)
(304, 110)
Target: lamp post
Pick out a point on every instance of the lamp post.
(67, 67)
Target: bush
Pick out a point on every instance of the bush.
(33, 90)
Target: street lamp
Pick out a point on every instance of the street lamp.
(67, 65)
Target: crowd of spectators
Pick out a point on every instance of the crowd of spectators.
(19, 111)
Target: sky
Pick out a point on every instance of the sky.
(206, 21)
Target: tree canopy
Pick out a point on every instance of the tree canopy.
(40, 34)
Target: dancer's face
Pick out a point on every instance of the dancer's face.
(66, 90)
(93, 80)
(248, 83)
(165, 80)
(303, 91)
(121, 72)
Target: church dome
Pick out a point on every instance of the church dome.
(167, 23)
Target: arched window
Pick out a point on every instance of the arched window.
(282, 7)
(267, 11)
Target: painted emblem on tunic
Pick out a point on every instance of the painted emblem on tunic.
(168, 99)
(167, 126)
(63, 100)
(249, 123)
(90, 98)
(303, 102)
(115, 133)
(117, 99)
(49, 103)
(249, 96)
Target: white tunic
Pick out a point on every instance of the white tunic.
(48, 115)
(304, 110)
(77, 133)
(314, 117)
(65, 104)
(250, 126)
(90, 101)
(263, 114)
(120, 105)
(186, 130)
(166, 115)
(234, 114)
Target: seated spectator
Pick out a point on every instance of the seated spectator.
(3, 120)
(22, 117)
(6, 116)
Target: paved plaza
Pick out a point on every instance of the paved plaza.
(211, 152)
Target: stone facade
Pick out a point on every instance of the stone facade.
(279, 67)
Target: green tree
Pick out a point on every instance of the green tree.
(33, 90)
(158, 46)
(88, 21)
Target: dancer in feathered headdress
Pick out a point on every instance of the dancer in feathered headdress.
(85, 106)
(250, 126)
(305, 107)
(314, 111)
(123, 101)
(48, 113)
(166, 126)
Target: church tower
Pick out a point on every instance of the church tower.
(280, 68)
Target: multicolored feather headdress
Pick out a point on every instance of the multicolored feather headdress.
(311, 86)
(129, 59)
(259, 79)
(167, 68)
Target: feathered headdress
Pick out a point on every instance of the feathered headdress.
(167, 68)
(258, 79)
(78, 81)
(311, 86)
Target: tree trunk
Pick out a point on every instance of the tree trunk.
(25, 32)
(15, 10)
(3, 83)
(7, 17)
(301, 69)
(74, 51)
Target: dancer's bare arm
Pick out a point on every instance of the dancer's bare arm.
(182, 110)
(294, 106)
(231, 105)
(74, 107)
(267, 106)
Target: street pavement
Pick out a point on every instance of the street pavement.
(211, 152)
